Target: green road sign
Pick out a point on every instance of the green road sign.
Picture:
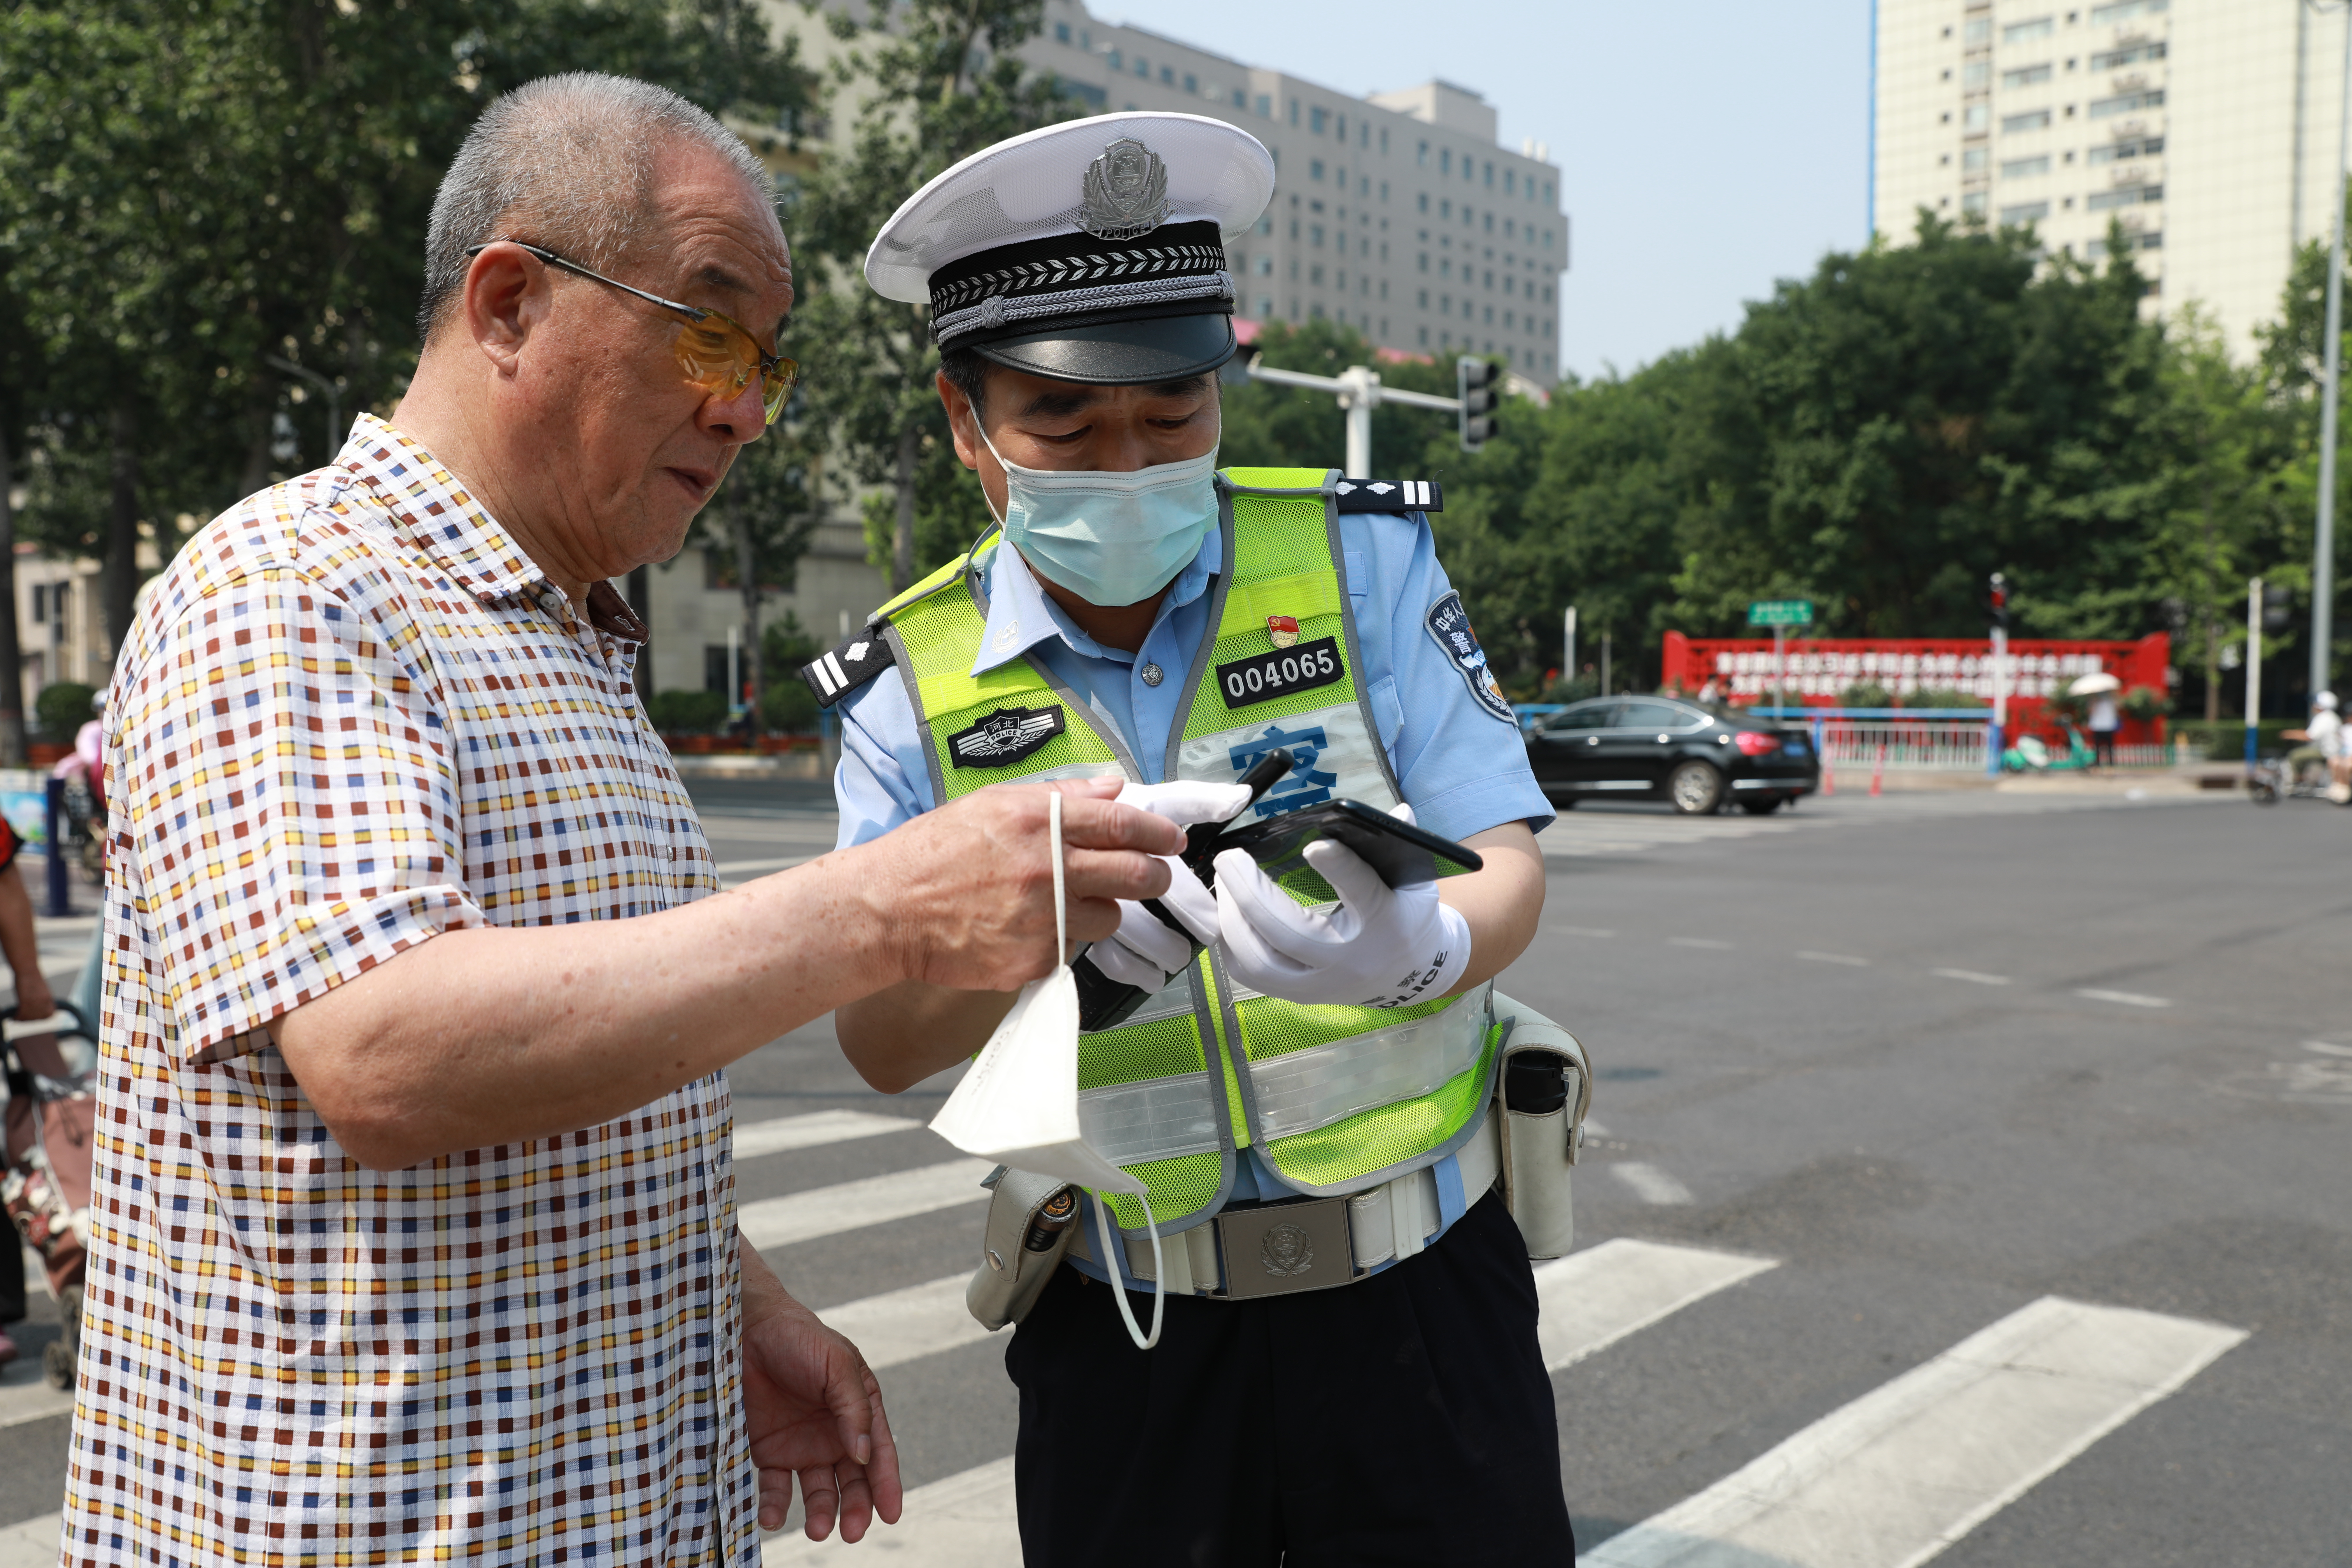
(1780, 613)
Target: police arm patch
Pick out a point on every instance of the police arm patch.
(1449, 625)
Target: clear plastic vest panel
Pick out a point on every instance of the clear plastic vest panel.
(1338, 1098)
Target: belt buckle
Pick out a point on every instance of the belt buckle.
(1285, 1248)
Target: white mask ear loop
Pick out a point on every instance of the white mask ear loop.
(1112, 1253)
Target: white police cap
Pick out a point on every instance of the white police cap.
(1091, 251)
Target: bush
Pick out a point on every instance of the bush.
(62, 709)
(2145, 703)
(2224, 740)
(1944, 698)
(688, 712)
(787, 706)
(1572, 688)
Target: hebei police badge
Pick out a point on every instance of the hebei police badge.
(1449, 624)
(1126, 193)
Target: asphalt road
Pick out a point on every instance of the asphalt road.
(1887, 1073)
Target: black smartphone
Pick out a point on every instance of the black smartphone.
(1399, 851)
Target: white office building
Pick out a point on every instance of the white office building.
(2207, 128)
(1397, 212)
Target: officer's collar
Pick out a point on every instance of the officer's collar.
(1020, 615)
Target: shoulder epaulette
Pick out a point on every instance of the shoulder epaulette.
(845, 669)
(1390, 495)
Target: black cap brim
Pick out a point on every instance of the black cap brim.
(1120, 353)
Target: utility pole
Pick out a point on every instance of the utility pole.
(2253, 667)
(1998, 601)
(335, 430)
(1568, 644)
(2323, 543)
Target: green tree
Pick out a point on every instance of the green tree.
(941, 83)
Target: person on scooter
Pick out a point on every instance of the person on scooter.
(2324, 740)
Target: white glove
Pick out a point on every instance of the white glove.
(1379, 947)
(1143, 951)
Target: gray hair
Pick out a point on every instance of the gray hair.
(566, 163)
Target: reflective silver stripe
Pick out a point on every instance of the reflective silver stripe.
(1158, 1118)
(1324, 1084)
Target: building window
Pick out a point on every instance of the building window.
(1293, 119)
(1445, 304)
(1425, 298)
(1342, 132)
(1088, 93)
(1445, 267)
(1975, 118)
(1384, 192)
(2146, 147)
(1490, 174)
(2116, 59)
(1264, 106)
(2026, 75)
(2023, 213)
(1973, 160)
(2026, 32)
(1547, 191)
(1316, 119)
(2124, 10)
(1490, 223)
(1168, 76)
(1446, 209)
(2021, 168)
(1978, 33)
(1973, 203)
(1315, 276)
(1315, 168)
(1191, 82)
(1975, 75)
(1421, 156)
(1385, 141)
(2124, 196)
(1425, 337)
(2033, 120)
(1061, 31)
(1264, 307)
(1265, 224)
(2127, 103)
(1315, 232)
(1424, 201)
(1547, 239)
(1444, 161)
(1115, 61)
(1265, 265)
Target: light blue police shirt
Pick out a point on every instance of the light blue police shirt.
(1464, 769)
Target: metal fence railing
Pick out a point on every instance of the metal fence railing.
(1898, 745)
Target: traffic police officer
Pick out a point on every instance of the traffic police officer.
(1349, 1371)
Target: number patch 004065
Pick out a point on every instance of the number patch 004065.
(1266, 676)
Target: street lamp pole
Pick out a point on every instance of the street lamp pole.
(2323, 543)
(1360, 391)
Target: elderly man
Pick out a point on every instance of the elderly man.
(415, 1235)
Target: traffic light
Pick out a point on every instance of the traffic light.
(2278, 608)
(1996, 601)
(1473, 383)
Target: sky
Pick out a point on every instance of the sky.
(1706, 149)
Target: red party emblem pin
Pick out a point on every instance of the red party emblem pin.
(1284, 629)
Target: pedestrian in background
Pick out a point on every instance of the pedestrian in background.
(34, 1000)
(2105, 721)
(414, 1228)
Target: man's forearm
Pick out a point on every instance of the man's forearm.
(898, 1038)
(480, 1037)
(21, 945)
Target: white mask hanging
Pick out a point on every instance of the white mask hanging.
(1018, 1102)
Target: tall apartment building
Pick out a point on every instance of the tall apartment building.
(1397, 214)
(2207, 128)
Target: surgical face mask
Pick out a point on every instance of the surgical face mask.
(1018, 1102)
(1111, 539)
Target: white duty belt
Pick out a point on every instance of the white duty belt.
(1310, 1244)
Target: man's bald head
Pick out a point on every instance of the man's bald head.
(566, 163)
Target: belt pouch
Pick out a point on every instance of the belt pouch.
(1546, 1086)
(1011, 1277)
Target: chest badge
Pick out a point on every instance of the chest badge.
(1005, 737)
(1283, 630)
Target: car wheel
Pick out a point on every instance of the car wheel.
(1765, 807)
(1696, 788)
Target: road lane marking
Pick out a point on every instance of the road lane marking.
(1835, 958)
(2320, 1046)
(907, 1325)
(853, 1206)
(1971, 977)
(1708, 943)
(1583, 931)
(32, 1544)
(1591, 1300)
(1902, 1472)
(1651, 1185)
(810, 1132)
(2128, 998)
(1595, 1298)
(24, 1396)
(965, 1521)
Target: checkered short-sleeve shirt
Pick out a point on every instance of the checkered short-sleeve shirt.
(352, 715)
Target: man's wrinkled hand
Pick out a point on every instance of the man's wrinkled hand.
(815, 1412)
(969, 889)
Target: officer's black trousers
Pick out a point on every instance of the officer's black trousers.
(1403, 1419)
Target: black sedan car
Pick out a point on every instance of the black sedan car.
(1660, 748)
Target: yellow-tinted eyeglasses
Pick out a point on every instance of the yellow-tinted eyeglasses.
(717, 353)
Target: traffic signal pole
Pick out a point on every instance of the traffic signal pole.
(1360, 391)
(2253, 669)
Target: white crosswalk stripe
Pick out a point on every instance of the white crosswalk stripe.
(32, 1544)
(1908, 1468)
(818, 1127)
(906, 1325)
(854, 1206)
